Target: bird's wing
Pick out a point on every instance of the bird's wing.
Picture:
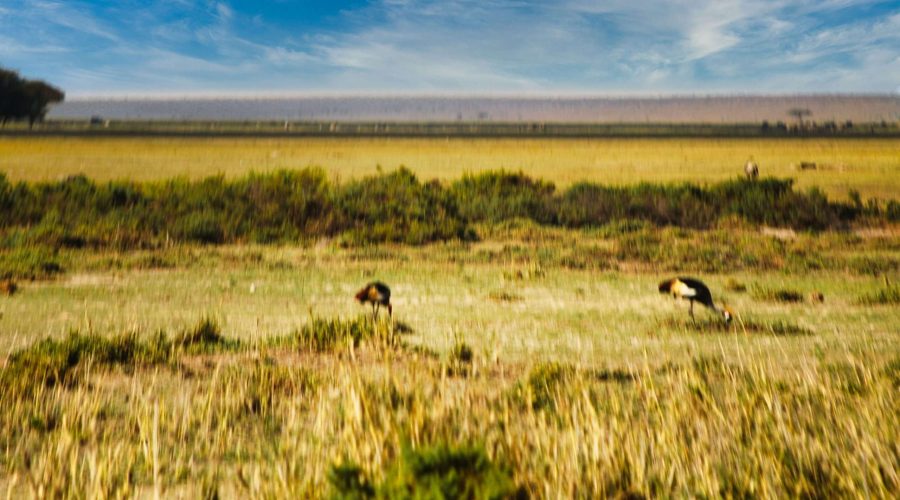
(682, 289)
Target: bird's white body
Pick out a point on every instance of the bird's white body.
(680, 289)
(751, 169)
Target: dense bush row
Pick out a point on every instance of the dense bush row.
(395, 207)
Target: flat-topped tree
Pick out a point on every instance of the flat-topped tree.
(799, 113)
(21, 98)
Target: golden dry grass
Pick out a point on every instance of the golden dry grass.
(642, 402)
(871, 166)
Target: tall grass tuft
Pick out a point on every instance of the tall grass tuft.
(205, 336)
(885, 296)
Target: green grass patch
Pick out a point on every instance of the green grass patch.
(436, 471)
(50, 362)
(205, 336)
(777, 294)
(30, 263)
(885, 296)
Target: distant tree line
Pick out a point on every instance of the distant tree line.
(22, 99)
(290, 206)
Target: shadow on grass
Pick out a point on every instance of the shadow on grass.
(740, 325)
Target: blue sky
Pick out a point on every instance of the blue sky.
(179, 47)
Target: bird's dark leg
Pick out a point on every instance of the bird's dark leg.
(375, 311)
(692, 309)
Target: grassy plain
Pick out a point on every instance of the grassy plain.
(870, 166)
(535, 362)
(583, 380)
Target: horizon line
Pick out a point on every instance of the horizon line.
(277, 95)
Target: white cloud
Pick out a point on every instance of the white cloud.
(467, 45)
(72, 18)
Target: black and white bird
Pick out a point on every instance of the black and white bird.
(693, 290)
(378, 294)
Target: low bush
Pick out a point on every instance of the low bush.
(300, 205)
(330, 334)
(437, 471)
(50, 362)
(501, 196)
(31, 263)
(205, 336)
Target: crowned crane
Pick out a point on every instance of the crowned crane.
(692, 290)
(378, 294)
(751, 169)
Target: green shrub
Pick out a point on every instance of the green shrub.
(31, 263)
(329, 334)
(349, 482)
(200, 227)
(287, 206)
(61, 362)
(499, 196)
(395, 207)
(542, 388)
(436, 471)
(205, 336)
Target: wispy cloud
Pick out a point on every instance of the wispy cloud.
(458, 45)
(71, 17)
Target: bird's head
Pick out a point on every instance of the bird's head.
(666, 286)
(727, 313)
(362, 294)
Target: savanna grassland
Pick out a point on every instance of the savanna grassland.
(185, 339)
(870, 166)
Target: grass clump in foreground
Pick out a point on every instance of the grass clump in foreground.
(711, 425)
(205, 336)
(335, 334)
(436, 471)
(50, 362)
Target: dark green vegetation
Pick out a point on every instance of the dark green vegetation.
(64, 362)
(436, 471)
(291, 206)
(23, 99)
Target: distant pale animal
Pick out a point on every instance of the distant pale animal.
(751, 169)
(693, 290)
(378, 294)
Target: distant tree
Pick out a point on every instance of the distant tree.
(25, 99)
(39, 96)
(799, 113)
